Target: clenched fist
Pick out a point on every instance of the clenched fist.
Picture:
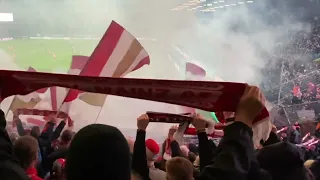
(142, 122)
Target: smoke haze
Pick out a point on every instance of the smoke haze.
(234, 42)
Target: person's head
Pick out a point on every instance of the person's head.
(66, 137)
(179, 168)
(26, 150)
(152, 149)
(98, 151)
(35, 132)
(295, 127)
(283, 160)
(58, 170)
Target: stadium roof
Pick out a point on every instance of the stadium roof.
(307, 9)
(209, 5)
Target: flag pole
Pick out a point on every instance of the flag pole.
(10, 106)
(185, 72)
(98, 115)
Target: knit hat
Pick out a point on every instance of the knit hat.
(98, 151)
(152, 149)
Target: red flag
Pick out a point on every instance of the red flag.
(194, 71)
(77, 64)
(47, 114)
(117, 54)
(53, 92)
(58, 94)
(28, 101)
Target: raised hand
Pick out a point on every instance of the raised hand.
(172, 130)
(250, 105)
(142, 122)
(199, 122)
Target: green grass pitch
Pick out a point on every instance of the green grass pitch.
(46, 55)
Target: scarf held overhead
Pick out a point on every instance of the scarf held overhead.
(209, 96)
(44, 113)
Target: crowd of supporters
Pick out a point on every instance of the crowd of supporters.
(295, 78)
(294, 58)
(100, 151)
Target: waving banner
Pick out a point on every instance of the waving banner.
(209, 96)
(38, 112)
(29, 101)
(194, 71)
(117, 54)
(45, 113)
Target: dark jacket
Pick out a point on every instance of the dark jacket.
(9, 166)
(49, 160)
(47, 135)
(283, 160)
(315, 169)
(234, 158)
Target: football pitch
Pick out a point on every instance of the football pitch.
(46, 55)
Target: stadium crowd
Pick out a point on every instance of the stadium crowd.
(102, 152)
(294, 57)
(294, 80)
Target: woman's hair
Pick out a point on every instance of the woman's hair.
(66, 136)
